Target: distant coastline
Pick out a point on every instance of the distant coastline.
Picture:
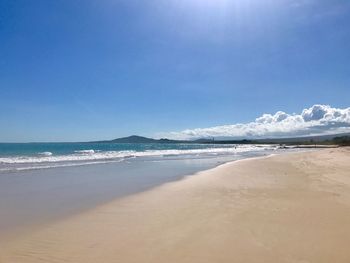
(338, 139)
(334, 139)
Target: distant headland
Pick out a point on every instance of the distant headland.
(337, 139)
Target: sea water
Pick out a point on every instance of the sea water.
(27, 156)
(42, 182)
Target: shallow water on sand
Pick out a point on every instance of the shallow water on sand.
(33, 197)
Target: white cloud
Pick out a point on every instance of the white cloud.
(316, 120)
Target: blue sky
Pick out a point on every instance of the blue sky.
(85, 70)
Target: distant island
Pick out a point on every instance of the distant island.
(335, 139)
(140, 139)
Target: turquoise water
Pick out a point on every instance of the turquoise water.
(43, 182)
(33, 149)
(25, 156)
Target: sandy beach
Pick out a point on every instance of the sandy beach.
(285, 208)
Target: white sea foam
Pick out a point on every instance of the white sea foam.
(85, 151)
(54, 165)
(91, 155)
(45, 153)
(85, 157)
(64, 158)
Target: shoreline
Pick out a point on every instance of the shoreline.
(28, 227)
(33, 198)
(226, 212)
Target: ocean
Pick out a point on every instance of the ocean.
(28, 156)
(43, 182)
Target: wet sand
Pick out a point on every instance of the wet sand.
(35, 197)
(285, 208)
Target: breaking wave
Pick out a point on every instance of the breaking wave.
(45, 153)
(83, 157)
(85, 151)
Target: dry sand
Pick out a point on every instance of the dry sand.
(285, 208)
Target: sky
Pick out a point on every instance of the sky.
(90, 70)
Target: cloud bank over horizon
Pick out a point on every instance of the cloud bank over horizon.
(316, 120)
